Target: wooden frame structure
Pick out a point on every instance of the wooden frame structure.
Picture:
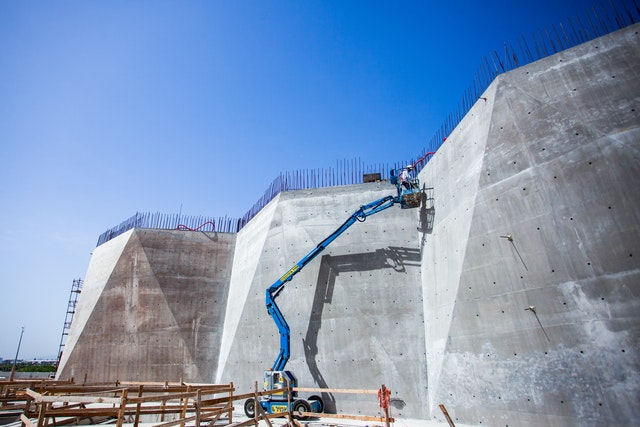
(47, 403)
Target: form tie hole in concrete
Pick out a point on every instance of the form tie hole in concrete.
(623, 350)
(589, 162)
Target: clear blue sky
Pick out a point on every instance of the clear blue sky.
(113, 107)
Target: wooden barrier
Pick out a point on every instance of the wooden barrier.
(386, 418)
(51, 403)
(46, 403)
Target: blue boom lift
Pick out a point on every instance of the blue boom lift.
(277, 378)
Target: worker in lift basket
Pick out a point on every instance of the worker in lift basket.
(405, 177)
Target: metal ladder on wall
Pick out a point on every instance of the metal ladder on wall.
(76, 288)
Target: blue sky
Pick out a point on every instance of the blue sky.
(113, 107)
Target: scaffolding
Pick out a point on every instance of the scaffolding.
(76, 288)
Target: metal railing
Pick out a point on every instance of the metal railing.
(171, 222)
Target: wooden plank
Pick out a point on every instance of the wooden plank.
(262, 414)
(185, 405)
(446, 415)
(136, 418)
(157, 398)
(123, 406)
(39, 398)
(197, 405)
(27, 422)
(250, 422)
(79, 399)
(346, 416)
(204, 415)
(335, 390)
(41, 411)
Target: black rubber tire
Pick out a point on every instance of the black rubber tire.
(318, 399)
(298, 406)
(250, 408)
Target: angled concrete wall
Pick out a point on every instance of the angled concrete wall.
(511, 296)
(151, 309)
(550, 157)
(355, 311)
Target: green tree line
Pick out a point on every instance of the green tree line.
(27, 367)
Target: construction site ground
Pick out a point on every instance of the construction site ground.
(329, 422)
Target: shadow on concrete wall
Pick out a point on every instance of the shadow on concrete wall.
(396, 258)
(427, 214)
(427, 211)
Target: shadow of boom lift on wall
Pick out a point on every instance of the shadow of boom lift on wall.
(396, 258)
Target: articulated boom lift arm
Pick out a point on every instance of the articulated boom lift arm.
(273, 291)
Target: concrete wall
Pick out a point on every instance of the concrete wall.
(550, 157)
(151, 309)
(511, 295)
(355, 311)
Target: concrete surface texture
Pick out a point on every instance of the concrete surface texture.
(510, 295)
(530, 274)
(152, 308)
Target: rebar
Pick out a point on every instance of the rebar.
(609, 17)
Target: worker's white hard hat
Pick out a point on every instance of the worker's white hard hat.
(409, 166)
